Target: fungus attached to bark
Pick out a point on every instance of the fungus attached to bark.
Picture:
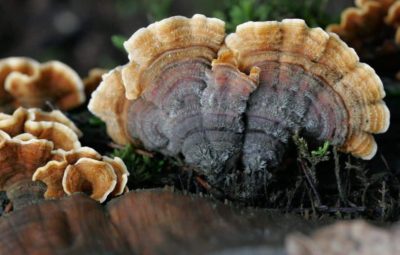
(18, 161)
(25, 82)
(238, 104)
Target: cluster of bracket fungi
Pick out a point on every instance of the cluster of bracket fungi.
(231, 103)
(228, 104)
(44, 146)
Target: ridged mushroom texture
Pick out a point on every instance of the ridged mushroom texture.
(234, 102)
(53, 126)
(83, 170)
(67, 167)
(25, 82)
(18, 161)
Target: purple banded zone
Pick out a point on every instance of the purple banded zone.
(220, 119)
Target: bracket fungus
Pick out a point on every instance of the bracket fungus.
(371, 27)
(18, 161)
(53, 126)
(92, 176)
(25, 82)
(233, 102)
(27, 126)
(83, 170)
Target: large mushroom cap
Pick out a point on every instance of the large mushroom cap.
(25, 82)
(348, 92)
(184, 92)
(179, 36)
(151, 50)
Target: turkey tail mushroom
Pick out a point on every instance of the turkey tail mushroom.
(18, 161)
(82, 170)
(236, 105)
(53, 126)
(310, 81)
(25, 82)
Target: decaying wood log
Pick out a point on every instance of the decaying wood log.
(144, 222)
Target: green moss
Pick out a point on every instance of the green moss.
(118, 41)
(143, 168)
(237, 12)
(95, 121)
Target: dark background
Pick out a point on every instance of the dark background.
(78, 32)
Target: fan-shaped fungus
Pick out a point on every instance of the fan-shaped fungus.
(18, 161)
(53, 126)
(82, 170)
(270, 81)
(25, 82)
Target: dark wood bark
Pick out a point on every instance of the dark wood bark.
(144, 222)
(26, 192)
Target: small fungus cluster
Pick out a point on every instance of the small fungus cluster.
(25, 82)
(84, 170)
(36, 145)
(46, 145)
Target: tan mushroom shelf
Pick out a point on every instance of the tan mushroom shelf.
(19, 159)
(28, 83)
(53, 126)
(68, 167)
(83, 170)
(220, 100)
